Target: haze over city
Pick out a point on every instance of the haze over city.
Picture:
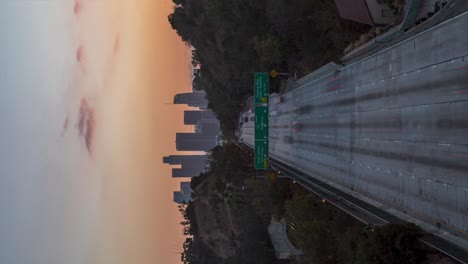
(233, 131)
(83, 86)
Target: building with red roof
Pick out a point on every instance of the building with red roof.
(370, 12)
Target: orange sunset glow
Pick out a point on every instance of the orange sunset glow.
(140, 223)
(85, 93)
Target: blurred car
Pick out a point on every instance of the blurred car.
(279, 99)
(297, 126)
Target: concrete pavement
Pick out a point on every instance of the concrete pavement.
(393, 126)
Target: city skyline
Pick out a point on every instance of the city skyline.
(204, 137)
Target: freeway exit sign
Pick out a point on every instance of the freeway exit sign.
(261, 80)
(261, 83)
(261, 154)
(261, 123)
(261, 137)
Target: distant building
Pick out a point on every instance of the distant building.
(211, 129)
(186, 188)
(209, 114)
(193, 117)
(186, 172)
(195, 142)
(179, 198)
(186, 161)
(184, 195)
(190, 165)
(191, 99)
(370, 12)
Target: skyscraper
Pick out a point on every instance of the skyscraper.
(208, 129)
(185, 188)
(185, 193)
(191, 99)
(195, 142)
(186, 161)
(208, 114)
(192, 117)
(179, 198)
(186, 172)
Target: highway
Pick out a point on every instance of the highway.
(393, 126)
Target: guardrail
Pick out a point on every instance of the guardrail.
(403, 30)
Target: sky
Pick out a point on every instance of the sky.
(84, 93)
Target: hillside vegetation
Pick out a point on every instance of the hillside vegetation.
(235, 38)
(227, 220)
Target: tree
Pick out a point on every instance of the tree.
(187, 255)
(390, 244)
(233, 37)
(179, 3)
(269, 50)
(195, 58)
(197, 83)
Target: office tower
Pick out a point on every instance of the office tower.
(208, 114)
(191, 99)
(185, 193)
(186, 161)
(186, 188)
(179, 197)
(194, 142)
(192, 117)
(211, 129)
(186, 172)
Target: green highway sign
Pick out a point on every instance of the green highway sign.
(261, 84)
(261, 154)
(261, 122)
(261, 137)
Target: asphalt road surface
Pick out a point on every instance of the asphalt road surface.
(393, 126)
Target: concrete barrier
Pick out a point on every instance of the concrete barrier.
(279, 238)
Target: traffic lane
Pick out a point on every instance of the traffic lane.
(386, 158)
(422, 195)
(393, 180)
(373, 64)
(409, 189)
(380, 159)
(443, 43)
(436, 84)
(280, 123)
(249, 141)
(440, 123)
(280, 147)
(387, 152)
